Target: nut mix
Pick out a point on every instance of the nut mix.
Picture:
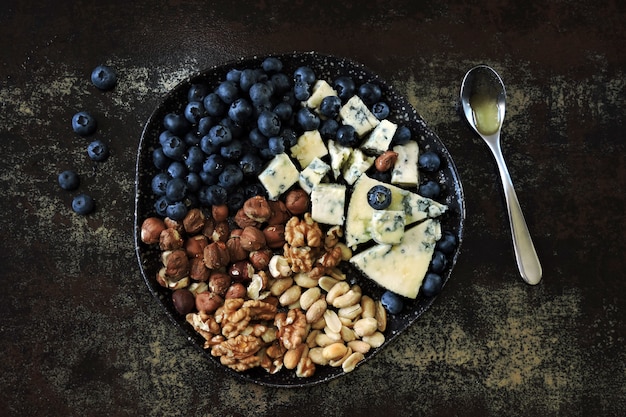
(269, 294)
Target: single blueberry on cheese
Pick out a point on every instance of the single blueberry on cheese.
(388, 226)
(356, 165)
(356, 114)
(279, 175)
(328, 203)
(310, 145)
(405, 170)
(401, 268)
(339, 155)
(313, 174)
(379, 140)
(320, 89)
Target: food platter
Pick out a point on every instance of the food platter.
(401, 112)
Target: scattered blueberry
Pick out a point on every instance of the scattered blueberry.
(284, 111)
(230, 177)
(214, 105)
(347, 136)
(381, 110)
(69, 180)
(250, 164)
(159, 183)
(213, 195)
(194, 111)
(379, 197)
(197, 92)
(194, 158)
(307, 119)
(392, 302)
(220, 135)
(214, 164)
(83, 204)
(103, 77)
(83, 123)
(260, 93)
(233, 150)
(235, 200)
(301, 91)
(159, 159)
(98, 151)
(328, 129)
(304, 74)
(432, 284)
(429, 189)
(174, 148)
(227, 91)
(345, 87)
(276, 145)
(205, 124)
(289, 137)
(439, 262)
(281, 83)
(402, 136)
(176, 189)
(176, 123)
(252, 190)
(370, 93)
(257, 139)
(272, 64)
(177, 170)
(241, 110)
(429, 161)
(194, 182)
(268, 124)
(176, 211)
(329, 107)
(247, 78)
(192, 138)
(447, 243)
(234, 75)
(160, 206)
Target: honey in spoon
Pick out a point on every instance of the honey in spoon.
(485, 112)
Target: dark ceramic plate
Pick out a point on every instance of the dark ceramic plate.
(328, 68)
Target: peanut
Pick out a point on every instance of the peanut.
(290, 296)
(351, 361)
(359, 346)
(381, 316)
(326, 283)
(374, 340)
(309, 297)
(334, 351)
(369, 306)
(365, 327)
(337, 290)
(332, 321)
(316, 311)
(280, 286)
(349, 298)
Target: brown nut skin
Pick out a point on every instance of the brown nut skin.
(151, 229)
(216, 255)
(194, 221)
(297, 201)
(219, 283)
(176, 264)
(194, 246)
(386, 161)
(236, 290)
(242, 220)
(219, 213)
(184, 301)
(236, 252)
(170, 239)
(208, 302)
(241, 271)
(275, 236)
(260, 259)
(257, 208)
(252, 239)
(280, 214)
(198, 270)
(173, 224)
(221, 232)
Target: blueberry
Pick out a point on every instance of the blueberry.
(83, 123)
(227, 91)
(103, 77)
(328, 129)
(255, 189)
(233, 150)
(247, 78)
(176, 211)
(83, 204)
(98, 151)
(194, 182)
(177, 170)
(439, 262)
(220, 135)
(159, 183)
(260, 93)
(272, 64)
(257, 139)
(268, 123)
(235, 200)
(213, 195)
(207, 146)
(284, 111)
(174, 148)
(234, 75)
(214, 164)
(69, 180)
(197, 92)
(429, 189)
(346, 136)
(379, 197)
(240, 111)
(402, 136)
(370, 93)
(289, 137)
(382, 176)
(176, 189)
(194, 111)
(429, 161)
(281, 83)
(164, 136)
(250, 164)
(432, 284)
(307, 119)
(447, 243)
(304, 74)
(329, 106)
(214, 105)
(236, 129)
(176, 123)
(345, 87)
(381, 110)
(205, 124)
(301, 91)
(207, 178)
(392, 302)
(276, 145)
(159, 159)
(160, 206)
(231, 177)
(192, 138)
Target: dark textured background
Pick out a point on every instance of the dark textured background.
(80, 334)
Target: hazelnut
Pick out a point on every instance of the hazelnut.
(151, 229)
(260, 259)
(386, 161)
(184, 301)
(208, 302)
(241, 271)
(216, 255)
(198, 270)
(242, 220)
(219, 283)
(280, 214)
(209, 227)
(236, 290)
(221, 232)
(173, 224)
(219, 213)
(176, 264)
(257, 208)
(194, 246)
(194, 221)
(236, 252)
(297, 201)
(170, 239)
(274, 236)
(252, 239)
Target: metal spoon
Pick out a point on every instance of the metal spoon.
(483, 99)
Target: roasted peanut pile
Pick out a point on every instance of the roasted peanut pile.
(267, 291)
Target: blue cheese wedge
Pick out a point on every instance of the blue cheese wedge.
(320, 89)
(388, 226)
(405, 170)
(279, 175)
(356, 114)
(339, 155)
(313, 174)
(358, 228)
(310, 145)
(379, 140)
(401, 268)
(328, 203)
(356, 165)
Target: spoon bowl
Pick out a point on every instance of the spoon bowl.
(483, 98)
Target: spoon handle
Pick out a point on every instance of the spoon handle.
(525, 254)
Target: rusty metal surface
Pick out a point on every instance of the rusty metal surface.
(80, 333)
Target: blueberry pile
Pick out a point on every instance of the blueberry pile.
(85, 125)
